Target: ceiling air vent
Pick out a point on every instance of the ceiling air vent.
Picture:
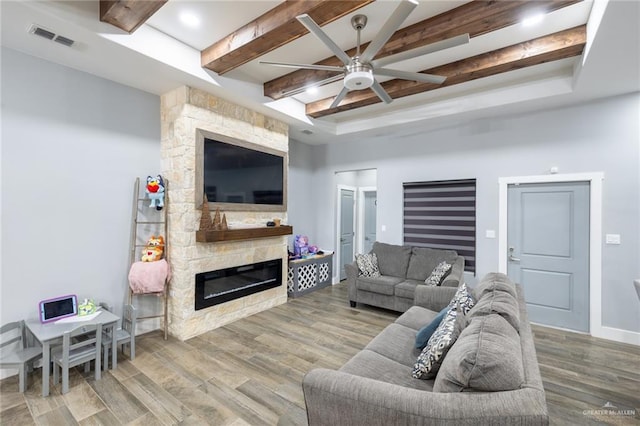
(50, 35)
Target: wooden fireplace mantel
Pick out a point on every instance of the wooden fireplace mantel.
(243, 234)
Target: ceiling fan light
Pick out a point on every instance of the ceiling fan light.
(358, 80)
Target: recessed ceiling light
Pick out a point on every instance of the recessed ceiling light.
(312, 90)
(190, 19)
(533, 20)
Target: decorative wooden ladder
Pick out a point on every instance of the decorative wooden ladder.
(135, 248)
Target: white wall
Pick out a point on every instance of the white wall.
(600, 136)
(72, 145)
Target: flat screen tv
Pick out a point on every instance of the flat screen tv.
(239, 175)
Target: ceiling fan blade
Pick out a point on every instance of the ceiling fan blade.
(304, 66)
(382, 94)
(393, 23)
(316, 84)
(315, 29)
(339, 98)
(423, 50)
(415, 76)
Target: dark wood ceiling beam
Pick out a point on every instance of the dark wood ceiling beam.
(476, 18)
(128, 15)
(275, 28)
(561, 45)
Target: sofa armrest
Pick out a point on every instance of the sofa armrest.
(457, 274)
(352, 273)
(334, 398)
(433, 297)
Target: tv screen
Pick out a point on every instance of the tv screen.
(239, 175)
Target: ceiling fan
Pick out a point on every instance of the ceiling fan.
(359, 72)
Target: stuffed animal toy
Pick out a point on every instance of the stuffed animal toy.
(301, 245)
(155, 191)
(154, 249)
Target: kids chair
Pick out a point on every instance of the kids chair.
(75, 352)
(125, 335)
(14, 353)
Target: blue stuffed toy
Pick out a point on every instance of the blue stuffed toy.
(155, 191)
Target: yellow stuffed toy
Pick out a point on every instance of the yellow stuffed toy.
(154, 249)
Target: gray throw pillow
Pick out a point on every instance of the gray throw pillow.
(368, 265)
(487, 357)
(438, 274)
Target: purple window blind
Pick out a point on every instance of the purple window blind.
(442, 215)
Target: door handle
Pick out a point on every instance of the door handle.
(511, 257)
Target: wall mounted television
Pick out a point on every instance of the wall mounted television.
(239, 175)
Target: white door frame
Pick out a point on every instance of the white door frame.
(595, 237)
(360, 216)
(339, 188)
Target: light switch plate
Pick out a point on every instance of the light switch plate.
(490, 233)
(383, 228)
(612, 238)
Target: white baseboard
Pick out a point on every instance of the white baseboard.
(617, 335)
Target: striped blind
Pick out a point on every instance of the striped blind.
(442, 215)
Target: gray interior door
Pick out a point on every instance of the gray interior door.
(548, 251)
(370, 202)
(347, 199)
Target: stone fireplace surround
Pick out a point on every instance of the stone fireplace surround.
(184, 111)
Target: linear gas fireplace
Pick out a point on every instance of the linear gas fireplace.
(223, 285)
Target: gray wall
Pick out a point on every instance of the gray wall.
(72, 145)
(301, 212)
(602, 136)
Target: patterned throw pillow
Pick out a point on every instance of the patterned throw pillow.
(368, 265)
(428, 363)
(463, 298)
(438, 274)
(431, 357)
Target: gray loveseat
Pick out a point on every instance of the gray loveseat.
(375, 387)
(402, 269)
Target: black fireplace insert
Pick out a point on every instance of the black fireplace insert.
(223, 285)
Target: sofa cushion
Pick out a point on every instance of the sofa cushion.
(416, 317)
(487, 357)
(438, 274)
(497, 302)
(367, 265)
(393, 260)
(424, 260)
(494, 281)
(375, 366)
(381, 285)
(406, 289)
(396, 343)
(424, 334)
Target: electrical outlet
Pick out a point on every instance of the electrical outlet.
(490, 233)
(612, 238)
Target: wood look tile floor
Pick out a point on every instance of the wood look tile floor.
(250, 373)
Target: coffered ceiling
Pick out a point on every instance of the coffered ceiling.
(218, 46)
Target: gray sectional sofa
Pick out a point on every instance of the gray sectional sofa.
(402, 269)
(490, 375)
